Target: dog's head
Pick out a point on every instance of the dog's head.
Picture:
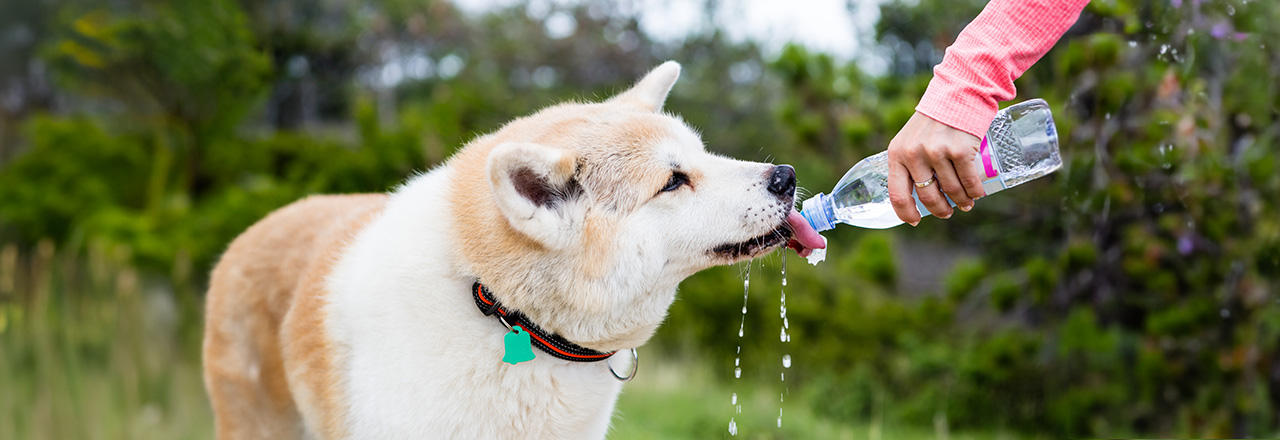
(585, 216)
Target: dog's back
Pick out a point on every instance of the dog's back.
(269, 282)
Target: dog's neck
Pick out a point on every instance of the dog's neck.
(599, 325)
(551, 343)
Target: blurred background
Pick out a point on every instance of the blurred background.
(1132, 293)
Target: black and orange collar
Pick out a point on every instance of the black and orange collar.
(553, 344)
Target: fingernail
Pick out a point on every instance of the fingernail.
(944, 217)
(966, 208)
(914, 223)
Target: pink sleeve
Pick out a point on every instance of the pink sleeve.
(978, 70)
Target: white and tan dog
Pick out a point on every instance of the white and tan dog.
(353, 316)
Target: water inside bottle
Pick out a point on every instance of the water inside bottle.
(869, 215)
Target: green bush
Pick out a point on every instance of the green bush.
(1129, 293)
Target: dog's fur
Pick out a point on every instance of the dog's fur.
(352, 316)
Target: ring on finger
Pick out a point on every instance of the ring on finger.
(926, 183)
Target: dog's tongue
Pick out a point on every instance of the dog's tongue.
(804, 239)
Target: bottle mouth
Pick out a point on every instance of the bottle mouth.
(816, 213)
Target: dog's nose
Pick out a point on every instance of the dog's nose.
(782, 181)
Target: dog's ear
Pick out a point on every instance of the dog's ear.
(536, 190)
(652, 90)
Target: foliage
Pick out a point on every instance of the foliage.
(1130, 293)
(1145, 305)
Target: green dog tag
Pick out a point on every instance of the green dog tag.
(519, 348)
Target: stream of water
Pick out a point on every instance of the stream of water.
(784, 337)
(786, 358)
(737, 360)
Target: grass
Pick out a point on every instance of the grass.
(674, 399)
(89, 349)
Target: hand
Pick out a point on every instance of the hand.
(927, 149)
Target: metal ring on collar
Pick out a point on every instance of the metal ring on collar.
(635, 367)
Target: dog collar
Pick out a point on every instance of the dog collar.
(553, 344)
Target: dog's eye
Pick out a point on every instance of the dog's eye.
(675, 182)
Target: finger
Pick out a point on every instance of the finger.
(949, 183)
(964, 158)
(929, 195)
(900, 193)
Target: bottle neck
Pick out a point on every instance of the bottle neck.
(818, 212)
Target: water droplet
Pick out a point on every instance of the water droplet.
(784, 281)
(734, 401)
(739, 332)
(739, 349)
(733, 427)
(735, 361)
(779, 417)
(785, 324)
(737, 373)
(739, 409)
(744, 310)
(782, 377)
(786, 361)
(783, 336)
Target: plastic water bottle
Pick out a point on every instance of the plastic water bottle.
(1021, 145)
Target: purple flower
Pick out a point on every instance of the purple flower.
(1224, 29)
(1185, 245)
(1220, 30)
(1176, 3)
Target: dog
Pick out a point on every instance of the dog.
(387, 316)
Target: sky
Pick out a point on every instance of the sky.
(821, 25)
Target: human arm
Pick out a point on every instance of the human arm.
(976, 73)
